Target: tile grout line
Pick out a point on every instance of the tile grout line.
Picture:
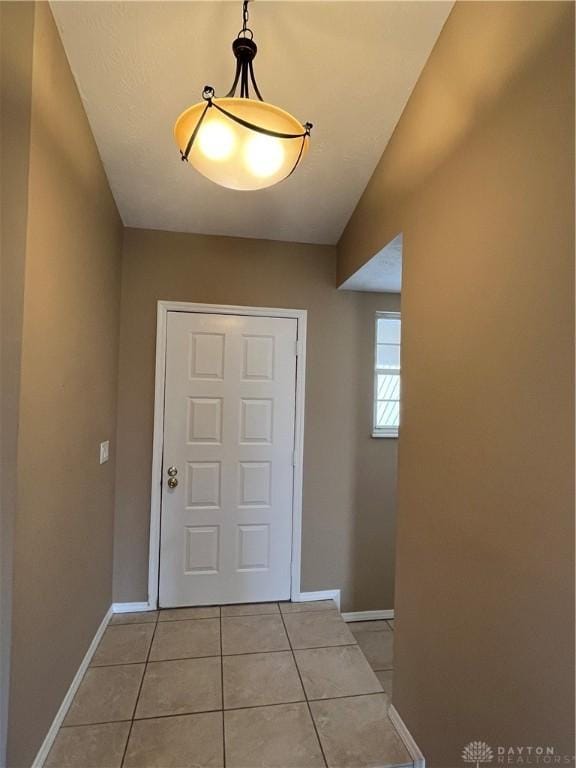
(120, 664)
(157, 621)
(139, 690)
(227, 655)
(281, 650)
(89, 725)
(304, 691)
(247, 653)
(233, 616)
(222, 691)
(230, 709)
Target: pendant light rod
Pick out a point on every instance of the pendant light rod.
(245, 49)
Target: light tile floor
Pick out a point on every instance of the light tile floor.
(376, 639)
(255, 686)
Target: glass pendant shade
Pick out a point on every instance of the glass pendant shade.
(236, 156)
(241, 143)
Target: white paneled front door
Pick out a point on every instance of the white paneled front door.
(227, 476)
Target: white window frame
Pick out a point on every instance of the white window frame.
(387, 432)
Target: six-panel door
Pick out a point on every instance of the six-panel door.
(226, 529)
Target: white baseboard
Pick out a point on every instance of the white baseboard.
(413, 748)
(131, 607)
(70, 693)
(369, 615)
(326, 594)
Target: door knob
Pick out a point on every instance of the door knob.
(172, 482)
(172, 471)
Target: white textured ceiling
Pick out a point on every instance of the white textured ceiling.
(347, 67)
(382, 274)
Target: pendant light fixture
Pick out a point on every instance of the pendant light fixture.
(241, 142)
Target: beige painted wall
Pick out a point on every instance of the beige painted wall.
(16, 36)
(375, 476)
(349, 510)
(484, 637)
(64, 520)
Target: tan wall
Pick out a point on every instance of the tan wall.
(16, 30)
(64, 522)
(373, 530)
(485, 548)
(162, 265)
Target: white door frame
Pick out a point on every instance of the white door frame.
(158, 444)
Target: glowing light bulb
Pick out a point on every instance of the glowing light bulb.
(216, 140)
(264, 155)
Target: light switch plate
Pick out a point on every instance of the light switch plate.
(104, 452)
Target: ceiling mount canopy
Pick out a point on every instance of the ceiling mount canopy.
(241, 142)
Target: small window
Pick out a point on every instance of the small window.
(387, 375)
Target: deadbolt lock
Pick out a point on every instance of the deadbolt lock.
(172, 482)
(172, 471)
